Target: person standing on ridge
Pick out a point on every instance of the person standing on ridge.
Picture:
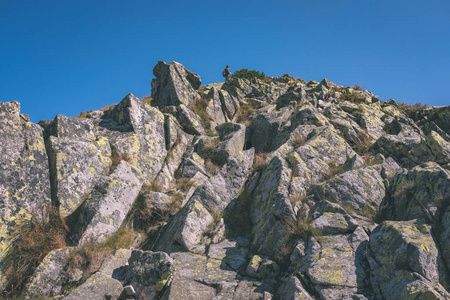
(226, 73)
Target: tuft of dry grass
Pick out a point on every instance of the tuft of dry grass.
(116, 159)
(183, 184)
(244, 112)
(336, 169)
(364, 143)
(199, 107)
(106, 108)
(298, 140)
(209, 146)
(34, 238)
(411, 108)
(211, 167)
(259, 160)
(84, 114)
(147, 100)
(139, 217)
(154, 186)
(296, 230)
(90, 256)
(368, 160)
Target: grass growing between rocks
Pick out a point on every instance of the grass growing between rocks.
(259, 161)
(116, 159)
(298, 140)
(411, 109)
(365, 141)
(183, 184)
(296, 230)
(199, 107)
(90, 256)
(147, 100)
(34, 239)
(244, 113)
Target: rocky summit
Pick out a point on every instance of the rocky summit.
(272, 188)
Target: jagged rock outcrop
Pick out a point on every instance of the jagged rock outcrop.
(24, 173)
(209, 200)
(248, 189)
(174, 84)
(107, 206)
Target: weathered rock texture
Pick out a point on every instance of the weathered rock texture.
(249, 189)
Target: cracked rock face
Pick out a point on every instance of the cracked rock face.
(248, 189)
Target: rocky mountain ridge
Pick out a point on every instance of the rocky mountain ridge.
(256, 189)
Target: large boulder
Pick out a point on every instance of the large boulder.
(97, 287)
(77, 160)
(147, 272)
(361, 190)
(271, 211)
(404, 261)
(177, 143)
(24, 172)
(107, 206)
(52, 275)
(210, 199)
(419, 193)
(214, 107)
(174, 84)
(265, 127)
(232, 137)
(408, 150)
(135, 129)
(199, 277)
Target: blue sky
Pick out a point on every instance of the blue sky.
(64, 57)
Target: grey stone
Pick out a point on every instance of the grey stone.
(292, 289)
(24, 172)
(108, 204)
(403, 255)
(174, 84)
(211, 198)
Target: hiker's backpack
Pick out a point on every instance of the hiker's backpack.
(224, 74)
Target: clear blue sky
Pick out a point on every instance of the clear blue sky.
(64, 57)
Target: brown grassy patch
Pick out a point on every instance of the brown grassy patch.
(139, 217)
(209, 146)
(199, 107)
(259, 161)
(211, 167)
(147, 100)
(296, 198)
(116, 159)
(368, 160)
(364, 143)
(244, 112)
(352, 95)
(183, 184)
(336, 169)
(33, 240)
(411, 108)
(153, 186)
(84, 114)
(298, 140)
(89, 257)
(295, 230)
(106, 108)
